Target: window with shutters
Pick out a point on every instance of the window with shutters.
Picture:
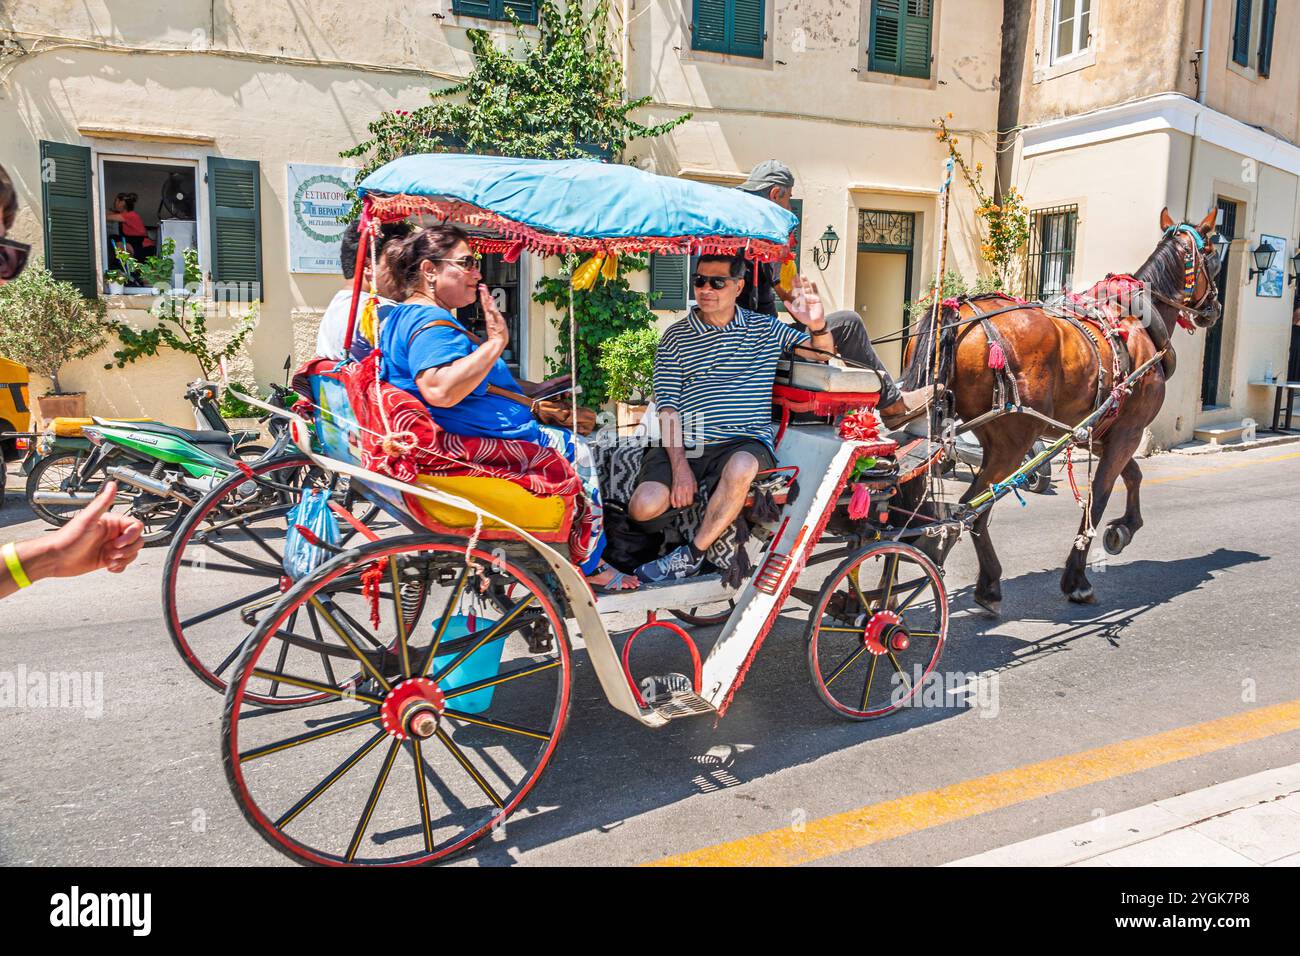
(1071, 28)
(735, 27)
(1253, 25)
(525, 10)
(1051, 251)
(901, 35)
(145, 202)
(668, 277)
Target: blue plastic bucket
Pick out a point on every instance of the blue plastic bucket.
(482, 664)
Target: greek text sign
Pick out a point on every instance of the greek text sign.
(318, 195)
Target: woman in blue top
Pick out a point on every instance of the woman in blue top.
(434, 271)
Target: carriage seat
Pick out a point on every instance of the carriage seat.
(536, 514)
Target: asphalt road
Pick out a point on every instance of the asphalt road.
(1196, 622)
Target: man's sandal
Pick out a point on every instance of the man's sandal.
(614, 584)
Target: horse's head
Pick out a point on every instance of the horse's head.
(1182, 273)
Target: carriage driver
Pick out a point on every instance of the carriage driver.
(713, 379)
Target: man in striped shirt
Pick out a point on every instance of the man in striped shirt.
(713, 389)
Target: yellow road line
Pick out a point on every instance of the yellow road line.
(865, 826)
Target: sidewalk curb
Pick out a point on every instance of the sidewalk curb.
(1205, 448)
(1108, 833)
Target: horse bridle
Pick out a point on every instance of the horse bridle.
(1194, 267)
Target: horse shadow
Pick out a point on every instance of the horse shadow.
(609, 769)
(1035, 598)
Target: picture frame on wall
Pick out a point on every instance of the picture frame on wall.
(1269, 284)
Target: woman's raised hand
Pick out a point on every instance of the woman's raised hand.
(495, 322)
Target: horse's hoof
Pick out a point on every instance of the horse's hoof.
(991, 605)
(1116, 538)
(1083, 596)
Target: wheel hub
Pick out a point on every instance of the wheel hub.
(885, 633)
(413, 709)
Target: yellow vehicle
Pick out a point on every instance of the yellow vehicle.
(15, 408)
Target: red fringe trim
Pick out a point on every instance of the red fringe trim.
(391, 208)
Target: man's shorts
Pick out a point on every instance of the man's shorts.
(707, 463)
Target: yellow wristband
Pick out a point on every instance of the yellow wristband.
(10, 552)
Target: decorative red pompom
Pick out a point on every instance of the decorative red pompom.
(860, 503)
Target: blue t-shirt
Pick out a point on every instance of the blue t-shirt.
(478, 413)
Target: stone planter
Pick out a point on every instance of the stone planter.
(628, 416)
(68, 405)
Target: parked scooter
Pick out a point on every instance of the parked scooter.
(161, 470)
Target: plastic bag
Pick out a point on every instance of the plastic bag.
(312, 512)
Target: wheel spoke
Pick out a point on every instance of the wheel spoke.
(913, 596)
(497, 725)
(303, 682)
(898, 667)
(368, 718)
(369, 810)
(857, 588)
(330, 779)
(842, 630)
(238, 602)
(891, 573)
(284, 651)
(845, 664)
(324, 658)
(469, 767)
(422, 792)
(262, 566)
(499, 679)
(257, 540)
(443, 621)
(405, 649)
(866, 688)
(343, 636)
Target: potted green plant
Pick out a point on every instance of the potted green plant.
(627, 361)
(115, 281)
(45, 324)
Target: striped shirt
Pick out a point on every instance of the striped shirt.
(720, 378)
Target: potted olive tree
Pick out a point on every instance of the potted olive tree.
(628, 362)
(44, 324)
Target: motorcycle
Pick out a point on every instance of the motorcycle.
(161, 470)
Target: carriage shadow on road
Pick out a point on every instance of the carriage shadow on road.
(609, 769)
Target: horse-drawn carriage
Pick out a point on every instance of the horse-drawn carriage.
(399, 701)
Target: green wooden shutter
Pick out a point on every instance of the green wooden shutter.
(525, 10)
(886, 35)
(1241, 33)
(709, 26)
(915, 56)
(746, 34)
(234, 204)
(1268, 15)
(668, 281)
(476, 8)
(69, 215)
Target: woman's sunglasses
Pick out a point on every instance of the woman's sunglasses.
(13, 258)
(472, 261)
(713, 282)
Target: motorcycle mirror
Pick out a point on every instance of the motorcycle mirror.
(288, 362)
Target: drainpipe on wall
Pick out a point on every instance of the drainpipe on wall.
(1207, 20)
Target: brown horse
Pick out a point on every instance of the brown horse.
(1058, 372)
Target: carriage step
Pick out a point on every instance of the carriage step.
(672, 696)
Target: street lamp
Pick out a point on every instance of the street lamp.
(1263, 256)
(826, 247)
(1221, 244)
(1295, 266)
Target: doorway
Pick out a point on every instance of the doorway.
(884, 278)
(506, 282)
(1210, 366)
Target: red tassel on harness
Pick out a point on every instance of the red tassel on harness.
(860, 503)
(997, 358)
(370, 579)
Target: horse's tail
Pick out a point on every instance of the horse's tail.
(938, 320)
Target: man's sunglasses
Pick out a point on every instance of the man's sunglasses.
(13, 258)
(472, 261)
(713, 282)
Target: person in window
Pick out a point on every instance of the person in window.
(713, 377)
(433, 272)
(334, 323)
(773, 180)
(131, 226)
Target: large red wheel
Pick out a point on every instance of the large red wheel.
(454, 717)
(877, 630)
(224, 570)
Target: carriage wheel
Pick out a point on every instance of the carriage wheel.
(440, 740)
(224, 570)
(877, 630)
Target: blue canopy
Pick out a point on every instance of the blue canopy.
(583, 199)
